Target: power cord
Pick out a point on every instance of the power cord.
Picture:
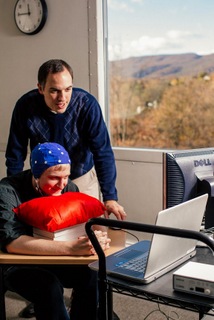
(167, 316)
(133, 235)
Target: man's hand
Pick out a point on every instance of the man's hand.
(113, 207)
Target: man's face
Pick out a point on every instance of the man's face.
(53, 181)
(57, 91)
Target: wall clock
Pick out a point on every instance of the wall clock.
(30, 15)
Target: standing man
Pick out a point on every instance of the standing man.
(72, 117)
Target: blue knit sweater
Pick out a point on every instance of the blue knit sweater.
(80, 129)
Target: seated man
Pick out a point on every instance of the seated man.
(43, 285)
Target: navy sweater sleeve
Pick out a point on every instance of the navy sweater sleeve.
(95, 132)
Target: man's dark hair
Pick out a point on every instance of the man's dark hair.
(52, 66)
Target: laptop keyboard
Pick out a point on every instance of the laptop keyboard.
(137, 264)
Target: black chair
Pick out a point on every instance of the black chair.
(105, 295)
(2, 297)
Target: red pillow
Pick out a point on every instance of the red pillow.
(57, 212)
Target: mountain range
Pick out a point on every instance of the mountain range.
(159, 66)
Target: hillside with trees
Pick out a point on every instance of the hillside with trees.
(175, 112)
(162, 66)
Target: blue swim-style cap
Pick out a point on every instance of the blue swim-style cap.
(46, 155)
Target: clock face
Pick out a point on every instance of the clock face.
(30, 15)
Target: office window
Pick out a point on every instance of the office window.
(161, 73)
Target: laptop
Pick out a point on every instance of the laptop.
(147, 260)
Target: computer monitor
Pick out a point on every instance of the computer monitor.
(187, 174)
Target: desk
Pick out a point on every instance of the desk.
(117, 242)
(160, 290)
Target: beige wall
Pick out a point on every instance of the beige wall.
(140, 185)
(66, 35)
(70, 33)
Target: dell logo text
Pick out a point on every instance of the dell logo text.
(202, 162)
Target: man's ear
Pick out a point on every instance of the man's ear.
(40, 88)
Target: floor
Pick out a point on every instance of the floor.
(127, 308)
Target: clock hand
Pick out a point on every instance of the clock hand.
(28, 7)
(23, 13)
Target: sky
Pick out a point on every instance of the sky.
(153, 27)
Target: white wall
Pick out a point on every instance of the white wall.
(140, 184)
(66, 35)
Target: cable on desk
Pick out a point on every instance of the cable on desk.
(133, 235)
(210, 233)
